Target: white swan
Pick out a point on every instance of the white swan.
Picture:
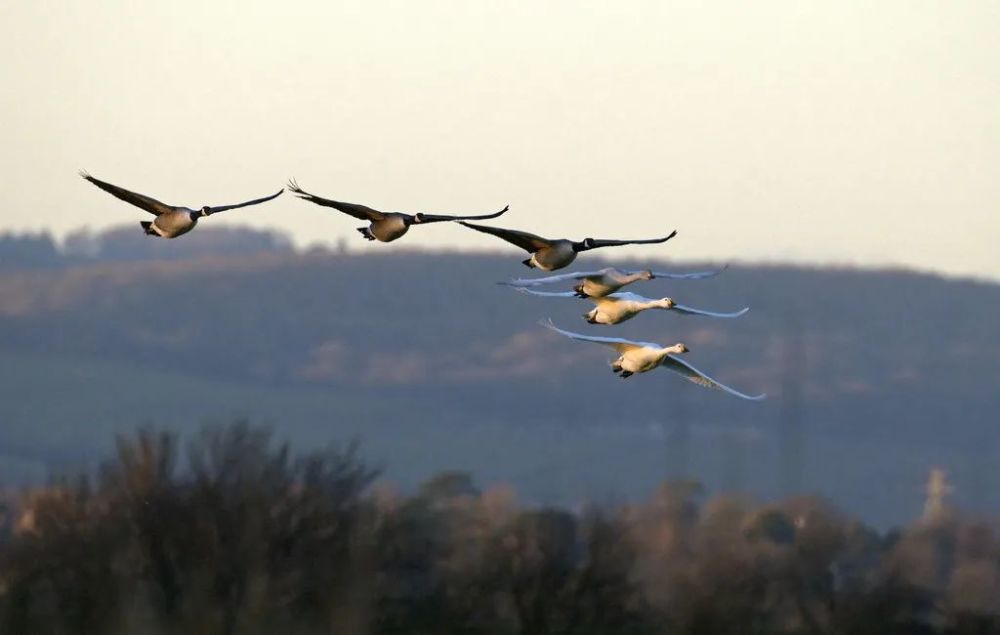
(641, 357)
(596, 284)
(619, 307)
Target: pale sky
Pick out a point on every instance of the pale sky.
(848, 132)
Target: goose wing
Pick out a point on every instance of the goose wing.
(693, 374)
(438, 218)
(528, 242)
(534, 282)
(694, 275)
(686, 310)
(256, 201)
(360, 212)
(617, 343)
(141, 201)
(594, 243)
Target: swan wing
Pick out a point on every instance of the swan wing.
(528, 242)
(534, 282)
(547, 294)
(619, 344)
(141, 201)
(686, 310)
(693, 374)
(693, 275)
(361, 212)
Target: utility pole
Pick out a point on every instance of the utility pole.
(791, 442)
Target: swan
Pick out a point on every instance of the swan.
(383, 226)
(596, 284)
(549, 254)
(641, 357)
(171, 221)
(619, 307)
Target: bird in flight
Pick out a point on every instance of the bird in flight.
(616, 308)
(383, 226)
(597, 284)
(171, 221)
(549, 254)
(641, 357)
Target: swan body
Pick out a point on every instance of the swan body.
(549, 254)
(619, 307)
(383, 226)
(596, 284)
(642, 357)
(171, 221)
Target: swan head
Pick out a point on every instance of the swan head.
(678, 349)
(645, 275)
(666, 303)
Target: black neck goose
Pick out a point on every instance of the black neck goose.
(549, 254)
(383, 226)
(171, 221)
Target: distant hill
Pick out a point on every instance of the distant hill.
(434, 366)
(129, 244)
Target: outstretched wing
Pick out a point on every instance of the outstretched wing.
(438, 218)
(617, 343)
(693, 374)
(528, 242)
(360, 212)
(594, 243)
(221, 208)
(141, 201)
(686, 310)
(534, 282)
(548, 294)
(694, 275)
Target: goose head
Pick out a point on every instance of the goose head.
(205, 211)
(417, 218)
(585, 244)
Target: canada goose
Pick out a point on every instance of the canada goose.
(619, 307)
(641, 357)
(549, 254)
(170, 221)
(384, 226)
(600, 283)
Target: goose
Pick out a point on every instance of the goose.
(383, 226)
(619, 307)
(597, 284)
(641, 357)
(549, 254)
(171, 221)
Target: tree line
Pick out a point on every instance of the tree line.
(235, 532)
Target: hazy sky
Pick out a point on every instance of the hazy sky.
(849, 132)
